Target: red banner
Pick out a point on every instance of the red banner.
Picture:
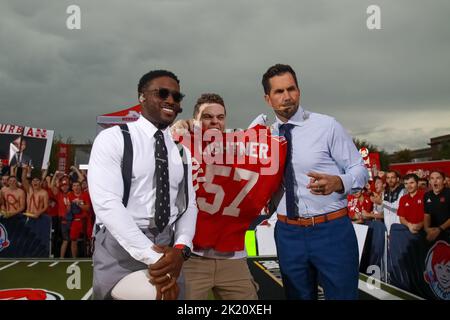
(63, 157)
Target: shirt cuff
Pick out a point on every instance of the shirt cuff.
(151, 256)
(182, 239)
(346, 182)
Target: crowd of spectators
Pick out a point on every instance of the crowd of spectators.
(422, 204)
(64, 197)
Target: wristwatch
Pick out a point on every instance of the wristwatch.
(185, 251)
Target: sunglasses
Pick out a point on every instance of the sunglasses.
(163, 93)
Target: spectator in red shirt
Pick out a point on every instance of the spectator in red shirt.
(60, 188)
(377, 200)
(359, 205)
(411, 206)
(91, 220)
(52, 210)
(80, 200)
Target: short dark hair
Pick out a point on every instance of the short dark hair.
(276, 70)
(208, 98)
(395, 172)
(424, 179)
(439, 172)
(149, 76)
(411, 176)
(377, 178)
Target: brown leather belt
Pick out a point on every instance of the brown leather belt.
(307, 222)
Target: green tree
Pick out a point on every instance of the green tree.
(404, 155)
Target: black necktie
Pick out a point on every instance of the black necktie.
(289, 174)
(162, 205)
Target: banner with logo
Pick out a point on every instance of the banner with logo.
(21, 145)
(418, 266)
(23, 237)
(371, 161)
(437, 269)
(118, 117)
(63, 157)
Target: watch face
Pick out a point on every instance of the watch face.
(186, 252)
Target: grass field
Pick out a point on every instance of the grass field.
(70, 279)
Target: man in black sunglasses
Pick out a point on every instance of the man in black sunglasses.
(137, 233)
(160, 100)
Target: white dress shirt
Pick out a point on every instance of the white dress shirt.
(321, 144)
(106, 188)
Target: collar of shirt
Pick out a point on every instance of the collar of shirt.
(297, 119)
(419, 194)
(440, 194)
(150, 129)
(396, 190)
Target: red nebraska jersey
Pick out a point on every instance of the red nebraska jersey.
(234, 174)
(412, 208)
(63, 203)
(81, 197)
(355, 207)
(52, 210)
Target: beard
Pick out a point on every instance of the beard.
(287, 110)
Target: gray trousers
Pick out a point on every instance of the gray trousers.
(112, 262)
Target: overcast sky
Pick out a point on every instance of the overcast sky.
(389, 86)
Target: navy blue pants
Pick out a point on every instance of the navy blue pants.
(325, 254)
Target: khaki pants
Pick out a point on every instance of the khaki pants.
(229, 279)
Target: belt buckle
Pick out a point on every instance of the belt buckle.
(313, 220)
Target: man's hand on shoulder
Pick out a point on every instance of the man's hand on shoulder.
(182, 127)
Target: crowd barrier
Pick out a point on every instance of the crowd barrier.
(24, 237)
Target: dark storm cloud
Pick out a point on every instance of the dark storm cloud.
(371, 81)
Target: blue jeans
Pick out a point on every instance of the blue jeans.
(325, 254)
